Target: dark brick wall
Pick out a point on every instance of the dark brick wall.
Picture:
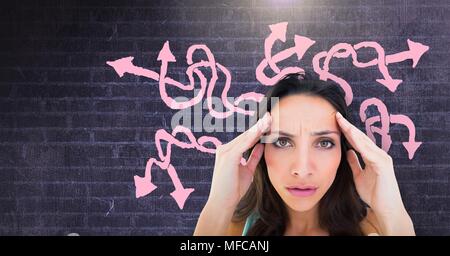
(73, 134)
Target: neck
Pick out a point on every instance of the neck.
(304, 223)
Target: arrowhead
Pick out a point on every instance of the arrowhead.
(181, 195)
(391, 84)
(416, 50)
(302, 44)
(279, 30)
(165, 54)
(121, 66)
(144, 186)
(411, 147)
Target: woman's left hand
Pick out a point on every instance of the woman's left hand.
(376, 183)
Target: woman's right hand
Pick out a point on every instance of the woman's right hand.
(232, 177)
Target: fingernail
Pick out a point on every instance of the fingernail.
(339, 115)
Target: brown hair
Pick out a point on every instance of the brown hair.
(340, 209)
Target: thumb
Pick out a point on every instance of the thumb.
(353, 161)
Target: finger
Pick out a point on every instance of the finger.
(353, 161)
(249, 138)
(254, 158)
(355, 136)
(359, 140)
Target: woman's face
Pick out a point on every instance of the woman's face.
(302, 150)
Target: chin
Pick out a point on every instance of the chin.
(301, 204)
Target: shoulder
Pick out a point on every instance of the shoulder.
(369, 225)
(235, 228)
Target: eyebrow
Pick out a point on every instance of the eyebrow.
(319, 133)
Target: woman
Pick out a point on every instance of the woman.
(304, 178)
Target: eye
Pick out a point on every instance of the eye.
(281, 143)
(324, 143)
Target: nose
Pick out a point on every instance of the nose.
(303, 173)
(300, 167)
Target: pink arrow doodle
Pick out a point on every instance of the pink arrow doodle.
(343, 50)
(166, 56)
(387, 80)
(212, 64)
(125, 65)
(278, 33)
(144, 185)
(232, 107)
(257, 97)
(324, 73)
(386, 119)
(386, 140)
(416, 50)
(302, 44)
(411, 145)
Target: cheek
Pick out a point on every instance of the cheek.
(276, 159)
(328, 164)
(328, 159)
(272, 158)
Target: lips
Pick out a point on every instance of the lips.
(302, 191)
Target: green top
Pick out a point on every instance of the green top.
(251, 219)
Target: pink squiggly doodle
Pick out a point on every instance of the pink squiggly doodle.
(415, 52)
(386, 140)
(125, 65)
(302, 44)
(411, 145)
(340, 50)
(145, 186)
